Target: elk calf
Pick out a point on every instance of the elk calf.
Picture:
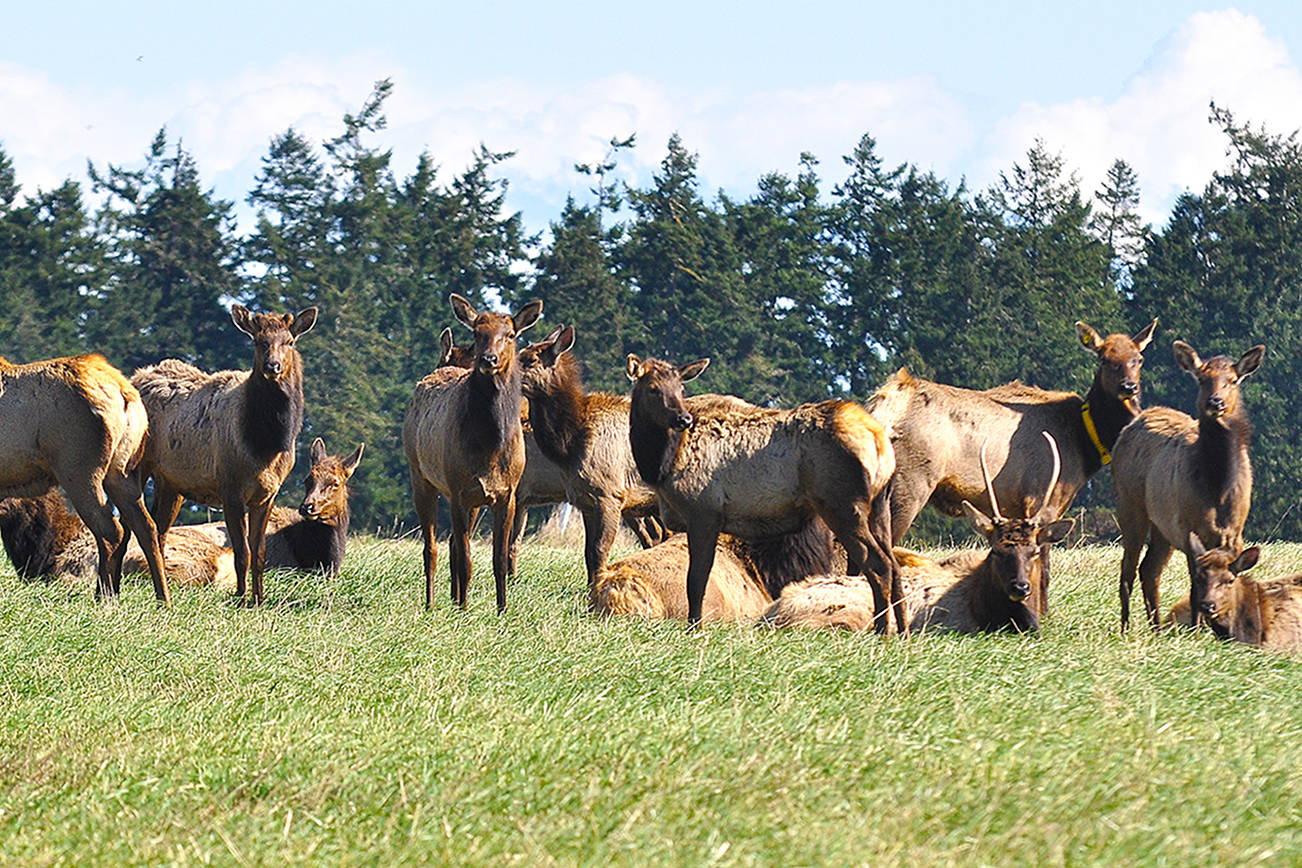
(966, 593)
(227, 439)
(1175, 475)
(758, 473)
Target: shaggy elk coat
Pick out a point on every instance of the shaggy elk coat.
(1175, 475)
(970, 592)
(463, 439)
(758, 473)
(78, 423)
(937, 431)
(227, 439)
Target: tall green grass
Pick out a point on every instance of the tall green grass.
(343, 724)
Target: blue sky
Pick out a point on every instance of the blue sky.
(963, 89)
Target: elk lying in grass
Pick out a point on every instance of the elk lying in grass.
(463, 439)
(46, 541)
(758, 473)
(78, 423)
(745, 576)
(937, 431)
(227, 439)
(970, 592)
(1267, 614)
(1175, 475)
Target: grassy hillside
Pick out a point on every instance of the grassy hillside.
(344, 724)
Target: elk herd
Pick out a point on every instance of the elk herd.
(779, 517)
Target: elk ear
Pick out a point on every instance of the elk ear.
(692, 370)
(1196, 547)
(1246, 561)
(561, 341)
(1250, 361)
(317, 452)
(1055, 531)
(1090, 339)
(527, 316)
(1186, 357)
(979, 520)
(462, 310)
(303, 322)
(445, 346)
(634, 367)
(351, 462)
(243, 319)
(1141, 340)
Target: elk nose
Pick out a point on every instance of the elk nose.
(307, 510)
(1216, 404)
(1128, 388)
(1207, 607)
(273, 367)
(488, 360)
(684, 420)
(1020, 590)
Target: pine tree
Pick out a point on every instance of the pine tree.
(1117, 224)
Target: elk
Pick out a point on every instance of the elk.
(937, 431)
(78, 423)
(1175, 475)
(46, 541)
(970, 592)
(227, 438)
(1267, 614)
(757, 473)
(744, 579)
(463, 439)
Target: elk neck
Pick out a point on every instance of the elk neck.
(1108, 414)
(654, 446)
(492, 416)
(558, 412)
(318, 545)
(273, 412)
(1221, 454)
(781, 560)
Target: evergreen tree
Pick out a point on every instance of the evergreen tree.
(1116, 223)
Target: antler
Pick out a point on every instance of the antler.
(990, 485)
(1053, 477)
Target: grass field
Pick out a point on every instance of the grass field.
(343, 724)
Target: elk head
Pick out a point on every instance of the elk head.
(1218, 378)
(325, 491)
(1015, 543)
(1120, 359)
(451, 355)
(538, 360)
(273, 338)
(495, 333)
(1217, 575)
(658, 390)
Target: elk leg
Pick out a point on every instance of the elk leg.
(238, 537)
(91, 503)
(427, 502)
(503, 521)
(1150, 573)
(258, 516)
(702, 537)
(459, 552)
(126, 495)
(600, 524)
(1132, 544)
(167, 503)
(518, 522)
(882, 534)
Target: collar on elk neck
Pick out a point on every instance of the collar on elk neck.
(1090, 428)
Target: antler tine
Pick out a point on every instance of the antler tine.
(990, 485)
(1053, 477)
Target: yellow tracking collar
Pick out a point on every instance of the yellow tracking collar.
(1104, 455)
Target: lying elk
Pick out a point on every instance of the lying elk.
(1267, 614)
(937, 431)
(227, 439)
(758, 473)
(1175, 475)
(45, 541)
(463, 439)
(78, 423)
(969, 592)
(744, 579)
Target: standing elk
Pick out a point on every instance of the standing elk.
(1175, 475)
(970, 592)
(463, 439)
(759, 473)
(78, 423)
(937, 431)
(227, 439)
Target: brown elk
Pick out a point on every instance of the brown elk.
(463, 439)
(78, 423)
(1175, 475)
(937, 431)
(971, 592)
(46, 541)
(744, 579)
(1267, 614)
(758, 473)
(227, 439)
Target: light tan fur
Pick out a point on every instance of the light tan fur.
(1267, 613)
(77, 422)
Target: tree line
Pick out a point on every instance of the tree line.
(797, 292)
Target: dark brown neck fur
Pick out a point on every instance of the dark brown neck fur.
(994, 612)
(316, 545)
(1221, 454)
(273, 412)
(492, 417)
(35, 531)
(654, 446)
(780, 560)
(558, 411)
(1110, 415)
